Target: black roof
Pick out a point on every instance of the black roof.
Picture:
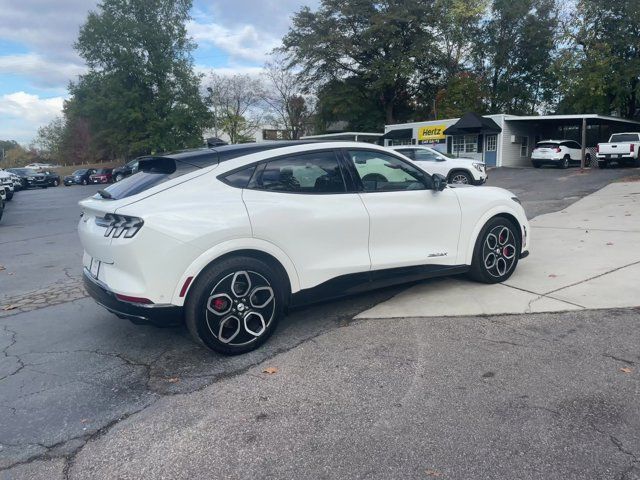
(203, 157)
(473, 123)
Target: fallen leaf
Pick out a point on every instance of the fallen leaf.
(173, 380)
(2, 267)
(84, 420)
(609, 243)
(626, 370)
(9, 307)
(627, 214)
(433, 473)
(270, 370)
(552, 275)
(10, 273)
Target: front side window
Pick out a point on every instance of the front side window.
(316, 172)
(380, 172)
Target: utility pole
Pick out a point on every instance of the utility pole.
(584, 143)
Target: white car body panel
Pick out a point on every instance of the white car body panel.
(629, 149)
(413, 227)
(192, 220)
(444, 165)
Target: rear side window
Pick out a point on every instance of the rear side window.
(239, 178)
(316, 172)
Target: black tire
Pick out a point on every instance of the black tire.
(484, 249)
(118, 177)
(84, 181)
(460, 177)
(635, 163)
(9, 195)
(536, 164)
(603, 164)
(564, 163)
(1, 208)
(217, 282)
(56, 183)
(587, 160)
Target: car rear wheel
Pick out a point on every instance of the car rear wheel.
(564, 163)
(118, 177)
(460, 178)
(234, 306)
(56, 183)
(496, 253)
(603, 164)
(84, 181)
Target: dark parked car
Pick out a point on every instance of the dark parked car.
(127, 169)
(53, 179)
(102, 175)
(30, 178)
(79, 177)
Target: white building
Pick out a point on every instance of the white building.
(504, 140)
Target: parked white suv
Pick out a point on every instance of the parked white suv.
(6, 180)
(454, 169)
(228, 238)
(560, 153)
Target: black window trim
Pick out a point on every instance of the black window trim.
(358, 180)
(260, 165)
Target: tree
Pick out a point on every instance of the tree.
(516, 54)
(601, 65)
(463, 93)
(140, 94)
(50, 138)
(236, 106)
(376, 43)
(289, 108)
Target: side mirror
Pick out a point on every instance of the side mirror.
(439, 182)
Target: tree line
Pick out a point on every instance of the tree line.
(359, 64)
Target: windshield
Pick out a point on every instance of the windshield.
(624, 137)
(102, 171)
(547, 145)
(79, 172)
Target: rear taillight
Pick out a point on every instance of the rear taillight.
(598, 148)
(558, 150)
(129, 299)
(116, 225)
(632, 147)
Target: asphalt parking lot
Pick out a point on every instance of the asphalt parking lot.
(534, 396)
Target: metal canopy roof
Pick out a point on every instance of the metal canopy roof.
(576, 117)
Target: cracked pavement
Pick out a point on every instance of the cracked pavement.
(86, 395)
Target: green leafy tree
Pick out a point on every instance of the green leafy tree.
(600, 68)
(140, 94)
(516, 54)
(377, 43)
(50, 138)
(463, 93)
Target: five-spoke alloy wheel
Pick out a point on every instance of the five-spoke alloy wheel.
(496, 252)
(235, 305)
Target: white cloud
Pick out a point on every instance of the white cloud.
(22, 113)
(244, 42)
(41, 72)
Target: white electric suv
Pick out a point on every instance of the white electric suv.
(228, 238)
(454, 169)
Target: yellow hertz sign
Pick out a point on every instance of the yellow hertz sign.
(432, 132)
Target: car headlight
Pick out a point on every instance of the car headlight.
(479, 166)
(517, 200)
(116, 225)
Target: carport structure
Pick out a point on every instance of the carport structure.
(587, 129)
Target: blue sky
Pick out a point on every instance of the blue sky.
(37, 59)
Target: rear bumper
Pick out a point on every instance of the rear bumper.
(140, 314)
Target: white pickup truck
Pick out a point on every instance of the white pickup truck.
(623, 148)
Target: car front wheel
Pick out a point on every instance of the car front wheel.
(118, 177)
(235, 305)
(496, 252)
(460, 178)
(564, 163)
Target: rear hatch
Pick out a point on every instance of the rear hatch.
(546, 150)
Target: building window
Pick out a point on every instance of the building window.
(524, 147)
(465, 144)
(492, 143)
(404, 141)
